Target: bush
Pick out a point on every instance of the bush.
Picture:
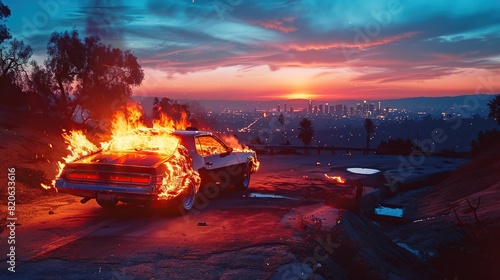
(485, 141)
(395, 147)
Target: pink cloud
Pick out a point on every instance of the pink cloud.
(347, 45)
(283, 25)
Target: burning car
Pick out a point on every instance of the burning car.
(150, 165)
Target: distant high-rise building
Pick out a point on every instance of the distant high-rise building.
(326, 108)
(338, 110)
(320, 108)
(371, 108)
(291, 109)
(344, 111)
(351, 111)
(379, 106)
(310, 106)
(315, 109)
(331, 109)
(279, 108)
(284, 109)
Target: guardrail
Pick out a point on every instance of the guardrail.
(308, 150)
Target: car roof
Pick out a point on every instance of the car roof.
(191, 132)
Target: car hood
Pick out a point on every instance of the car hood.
(125, 158)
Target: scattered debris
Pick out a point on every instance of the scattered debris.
(389, 211)
(262, 195)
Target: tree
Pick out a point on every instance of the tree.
(306, 131)
(281, 120)
(494, 105)
(13, 61)
(173, 110)
(369, 127)
(4, 31)
(86, 76)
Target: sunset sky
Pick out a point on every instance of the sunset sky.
(279, 49)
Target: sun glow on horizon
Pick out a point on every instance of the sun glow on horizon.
(299, 95)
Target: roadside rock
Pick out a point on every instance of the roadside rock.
(366, 252)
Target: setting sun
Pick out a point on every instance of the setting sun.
(299, 95)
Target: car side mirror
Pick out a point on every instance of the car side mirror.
(229, 150)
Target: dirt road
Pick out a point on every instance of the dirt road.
(230, 234)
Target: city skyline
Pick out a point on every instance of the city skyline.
(265, 50)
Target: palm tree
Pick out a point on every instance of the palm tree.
(494, 105)
(369, 127)
(306, 131)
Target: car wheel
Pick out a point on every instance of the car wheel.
(185, 201)
(244, 180)
(106, 203)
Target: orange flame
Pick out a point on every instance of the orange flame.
(165, 122)
(234, 143)
(129, 133)
(339, 179)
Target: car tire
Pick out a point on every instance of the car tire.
(185, 201)
(107, 203)
(244, 180)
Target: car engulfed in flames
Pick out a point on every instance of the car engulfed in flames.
(141, 175)
(144, 165)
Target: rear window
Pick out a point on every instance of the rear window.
(151, 140)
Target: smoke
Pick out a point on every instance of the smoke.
(105, 19)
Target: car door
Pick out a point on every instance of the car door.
(220, 161)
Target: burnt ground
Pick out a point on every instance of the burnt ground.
(313, 229)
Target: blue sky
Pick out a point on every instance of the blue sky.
(286, 49)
